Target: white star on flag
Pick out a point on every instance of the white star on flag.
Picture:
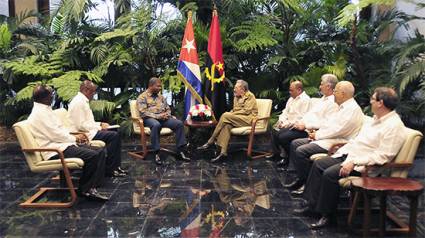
(189, 45)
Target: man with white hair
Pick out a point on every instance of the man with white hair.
(377, 143)
(315, 117)
(341, 126)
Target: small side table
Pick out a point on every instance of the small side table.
(381, 187)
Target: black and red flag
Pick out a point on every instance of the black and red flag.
(214, 86)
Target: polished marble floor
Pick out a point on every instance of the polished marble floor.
(235, 198)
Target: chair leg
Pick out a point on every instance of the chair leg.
(140, 154)
(353, 209)
(31, 202)
(413, 215)
(250, 151)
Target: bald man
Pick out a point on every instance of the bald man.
(82, 119)
(377, 143)
(296, 107)
(341, 126)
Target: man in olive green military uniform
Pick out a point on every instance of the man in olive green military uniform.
(244, 110)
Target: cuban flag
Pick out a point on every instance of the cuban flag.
(188, 68)
(190, 223)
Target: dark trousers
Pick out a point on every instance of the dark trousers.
(301, 150)
(322, 187)
(112, 140)
(94, 165)
(156, 125)
(284, 137)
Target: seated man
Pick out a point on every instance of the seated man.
(82, 119)
(156, 114)
(244, 110)
(377, 143)
(49, 132)
(341, 126)
(312, 120)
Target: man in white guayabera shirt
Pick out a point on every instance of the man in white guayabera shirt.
(49, 132)
(315, 117)
(82, 119)
(283, 133)
(341, 126)
(377, 143)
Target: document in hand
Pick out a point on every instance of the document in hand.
(113, 127)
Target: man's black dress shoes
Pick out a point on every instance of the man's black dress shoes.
(299, 191)
(183, 156)
(283, 162)
(306, 210)
(94, 195)
(323, 222)
(204, 146)
(294, 185)
(158, 160)
(115, 174)
(218, 158)
(121, 170)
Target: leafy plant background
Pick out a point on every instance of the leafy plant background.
(266, 42)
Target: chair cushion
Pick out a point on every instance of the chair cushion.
(245, 130)
(164, 131)
(50, 165)
(97, 143)
(346, 182)
(318, 156)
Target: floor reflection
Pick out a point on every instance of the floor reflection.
(236, 198)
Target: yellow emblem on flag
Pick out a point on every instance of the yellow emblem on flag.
(212, 77)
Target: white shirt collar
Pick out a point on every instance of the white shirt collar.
(384, 118)
(41, 105)
(83, 96)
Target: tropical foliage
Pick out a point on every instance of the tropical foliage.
(267, 42)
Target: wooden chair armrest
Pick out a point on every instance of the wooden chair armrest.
(335, 147)
(390, 165)
(256, 119)
(139, 122)
(254, 122)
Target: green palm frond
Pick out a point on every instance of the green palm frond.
(25, 93)
(339, 68)
(411, 73)
(101, 108)
(255, 34)
(57, 24)
(98, 53)
(73, 10)
(30, 67)
(5, 38)
(272, 93)
(68, 84)
(410, 49)
(349, 12)
(115, 34)
(117, 56)
(293, 4)
(137, 20)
